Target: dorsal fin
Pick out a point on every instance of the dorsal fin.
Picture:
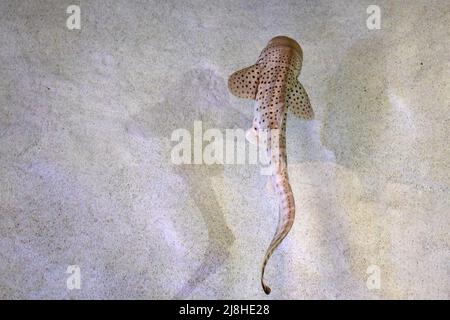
(298, 100)
(244, 83)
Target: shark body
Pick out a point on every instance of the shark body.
(272, 83)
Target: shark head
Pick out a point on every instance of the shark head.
(283, 45)
(284, 41)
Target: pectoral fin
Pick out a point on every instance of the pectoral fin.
(244, 83)
(298, 101)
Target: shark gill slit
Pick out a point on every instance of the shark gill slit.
(280, 180)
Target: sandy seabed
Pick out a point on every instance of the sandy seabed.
(86, 177)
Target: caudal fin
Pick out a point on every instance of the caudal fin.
(285, 222)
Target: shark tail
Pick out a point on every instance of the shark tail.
(286, 212)
(285, 222)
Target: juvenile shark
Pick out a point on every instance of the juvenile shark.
(272, 83)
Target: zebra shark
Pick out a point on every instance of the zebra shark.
(272, 83)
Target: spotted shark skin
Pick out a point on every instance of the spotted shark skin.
(272, 83)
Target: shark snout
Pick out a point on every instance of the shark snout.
(286, 42)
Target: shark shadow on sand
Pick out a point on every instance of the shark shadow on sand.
(200, 94)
